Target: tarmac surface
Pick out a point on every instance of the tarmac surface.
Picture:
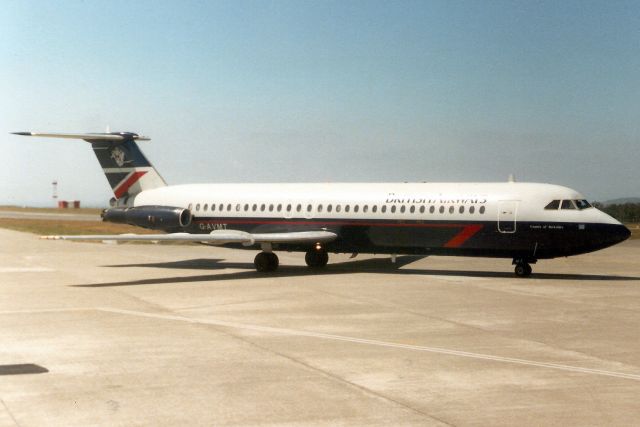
(103, 334)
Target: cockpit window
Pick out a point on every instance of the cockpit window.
(583, 204)
(568, 204)
(553, 205)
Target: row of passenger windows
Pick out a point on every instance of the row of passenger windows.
(568, 204)
(330, 208)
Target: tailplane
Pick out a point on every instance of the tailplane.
(125, 166)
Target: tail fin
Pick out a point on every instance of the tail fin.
(126, 168)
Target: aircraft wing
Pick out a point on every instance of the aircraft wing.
(217, 237)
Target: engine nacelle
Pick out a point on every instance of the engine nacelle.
(154, 217)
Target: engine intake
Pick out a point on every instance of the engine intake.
(154, 217)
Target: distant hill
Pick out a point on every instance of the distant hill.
(621, 201)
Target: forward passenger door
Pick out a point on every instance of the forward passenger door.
(507, 212)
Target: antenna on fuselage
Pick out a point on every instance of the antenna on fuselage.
(512, 178)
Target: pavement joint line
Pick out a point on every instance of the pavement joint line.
(6, 408)
(437, 350)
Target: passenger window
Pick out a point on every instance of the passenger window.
(384, 209)
(461, 210)
(279, 208)
(221, 207)
(441, 210)
(346, 208)
(374, 208)
(393, 209)
(190, 207)
(402, 209)
(338, 208)
(288, 208)
(206, 207)
(270, 208)
(432, 209)
(356, 208)
(319, 208)
(254, 207)
(213, 207)
(229, 207)
(198, 207)
(365, 208)
(329, 208)
(412, 209)
(422, 208)
(298, 208)
(481, 209)
(246, 207)
(451, 209)
(568, 204)
(472, 209)
(554, 205)
(262, 207)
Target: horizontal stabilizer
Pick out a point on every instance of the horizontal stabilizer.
(115, 137)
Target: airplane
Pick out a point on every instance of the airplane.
(524, 222)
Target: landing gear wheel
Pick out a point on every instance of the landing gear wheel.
(523, 270)
(316, 258)
(266, 261)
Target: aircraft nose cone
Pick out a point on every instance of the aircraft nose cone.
(622, 233)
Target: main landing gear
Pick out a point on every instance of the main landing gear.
(316, 257)
(523, 268)
(266, 261)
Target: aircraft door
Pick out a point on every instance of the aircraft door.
(507, 211)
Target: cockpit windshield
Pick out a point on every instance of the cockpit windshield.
(583, 204)
(554, 205)
(568, 204)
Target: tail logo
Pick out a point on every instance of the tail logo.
(118, 156)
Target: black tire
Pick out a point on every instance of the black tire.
(261, 261)
(316, 259)
(274, 262)
(523, 270)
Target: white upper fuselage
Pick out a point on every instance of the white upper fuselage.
(428, 201)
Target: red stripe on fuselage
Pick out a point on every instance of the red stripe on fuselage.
(465, 234)
(122, 189)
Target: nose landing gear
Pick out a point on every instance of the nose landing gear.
(523, 268)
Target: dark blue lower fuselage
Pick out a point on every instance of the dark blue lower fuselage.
(526, 240)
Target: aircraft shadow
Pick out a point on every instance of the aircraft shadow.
(375, 265)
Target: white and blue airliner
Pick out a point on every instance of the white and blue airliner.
(524, 222)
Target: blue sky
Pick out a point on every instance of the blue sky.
(324, 91)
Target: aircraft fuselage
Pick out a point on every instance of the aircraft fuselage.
(470, 219)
